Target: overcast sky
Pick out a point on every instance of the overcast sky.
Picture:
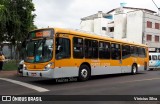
(68, 13)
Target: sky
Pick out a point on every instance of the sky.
(68, 13)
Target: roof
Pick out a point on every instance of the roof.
(148, 10)
(86, 34)
(91, 17)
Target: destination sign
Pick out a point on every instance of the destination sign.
(41, 34)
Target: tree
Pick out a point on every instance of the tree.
(4, 17)
(16, 20)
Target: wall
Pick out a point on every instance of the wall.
(151, 31)
(120, 24)
(87, 25)
(135, 26)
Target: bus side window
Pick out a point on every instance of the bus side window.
(115, 51)
(154, 57)
(78, 47)
(125, 51)
(62, 48)
(134, 51)
(158, 57)
(104, 50)
(91, 48)
(149, 57)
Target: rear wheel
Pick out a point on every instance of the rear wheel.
(84, 73)
(151, 69)
(134, 69)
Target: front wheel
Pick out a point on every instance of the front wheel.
(84, 73)
(134, 69)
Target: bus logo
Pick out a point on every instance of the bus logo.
(6, 98)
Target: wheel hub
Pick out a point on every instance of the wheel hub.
(84, 73)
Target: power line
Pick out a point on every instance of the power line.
(155, 4)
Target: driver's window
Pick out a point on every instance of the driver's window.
(62, 48)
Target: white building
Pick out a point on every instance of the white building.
(131, 24)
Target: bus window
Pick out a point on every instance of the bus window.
(95, 49)
(144, 52)
(140, 52)
(91, 48)
(125, 51)
(115, 51)
(149, 57)
(104, 50)
(154, 57)
(158, 57)
(134, 51)
(78, 47)
(62, 48)
(88, 48)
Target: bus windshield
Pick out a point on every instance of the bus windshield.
(40, 50)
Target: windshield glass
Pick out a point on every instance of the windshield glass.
(39, 50)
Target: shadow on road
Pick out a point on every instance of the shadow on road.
(59, 81)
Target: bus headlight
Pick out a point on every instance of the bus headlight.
(48, 66)
(24, 67)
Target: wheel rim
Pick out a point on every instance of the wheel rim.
(84, 73)
(134, 69)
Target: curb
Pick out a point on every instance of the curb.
(8, 73)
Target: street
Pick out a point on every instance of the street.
(144, 83)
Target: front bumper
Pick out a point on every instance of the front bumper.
(47, 74)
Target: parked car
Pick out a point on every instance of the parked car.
(20, 67)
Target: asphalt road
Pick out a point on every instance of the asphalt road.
(145, 83)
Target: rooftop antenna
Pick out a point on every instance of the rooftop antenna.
(157, 7)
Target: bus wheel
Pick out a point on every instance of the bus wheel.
(84, 73)
(134, 69)
(151, 69)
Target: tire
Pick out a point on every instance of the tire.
(134, 69)
(151, 69)
(145, 66)
(84, 73)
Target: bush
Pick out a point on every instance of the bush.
(10, 65)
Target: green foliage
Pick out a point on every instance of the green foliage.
(10, 65)
(16, 20)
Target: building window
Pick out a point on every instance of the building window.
(156, 25)
(149, 24)
(156, 38)
(149, 37)
(111, 29)
(104, 28)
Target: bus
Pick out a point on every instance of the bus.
(61, 53)
(154, 60)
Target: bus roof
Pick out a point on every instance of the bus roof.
(91, 35)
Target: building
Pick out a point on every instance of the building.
(137, 25)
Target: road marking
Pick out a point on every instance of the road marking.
(140, 80)
(39, 89)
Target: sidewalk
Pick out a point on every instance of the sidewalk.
(8, 73)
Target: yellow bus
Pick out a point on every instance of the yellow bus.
(59, 53)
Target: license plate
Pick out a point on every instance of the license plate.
(33, 74)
